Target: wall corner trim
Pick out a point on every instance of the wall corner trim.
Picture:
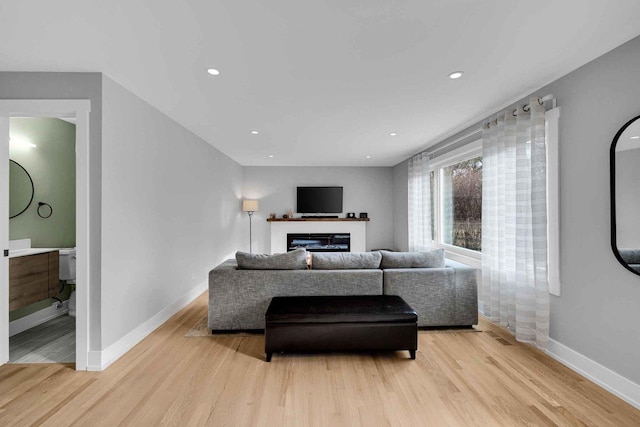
(100, 360)
(614, 383)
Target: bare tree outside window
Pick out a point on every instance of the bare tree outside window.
(462, 204)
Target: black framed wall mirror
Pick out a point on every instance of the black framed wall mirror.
(624, 157)
(21, 189)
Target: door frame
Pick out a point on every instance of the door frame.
(59, 108)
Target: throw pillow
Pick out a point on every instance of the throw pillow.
(294, 260)
(345, 260)
(430, 259)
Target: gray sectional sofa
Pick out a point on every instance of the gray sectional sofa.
(443, 295)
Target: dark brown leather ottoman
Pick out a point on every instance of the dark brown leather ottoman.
(340, 323)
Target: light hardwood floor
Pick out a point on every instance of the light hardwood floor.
(460, 378)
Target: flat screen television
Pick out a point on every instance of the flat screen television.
(319, 200)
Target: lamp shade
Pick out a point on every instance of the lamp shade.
(249, 205)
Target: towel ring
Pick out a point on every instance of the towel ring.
(40, 205)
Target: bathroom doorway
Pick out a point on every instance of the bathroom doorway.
(42, 241)
(48, 112)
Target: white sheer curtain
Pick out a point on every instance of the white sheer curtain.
(419, 203)
(515, 290)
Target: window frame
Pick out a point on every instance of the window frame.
(552, 124)
(436, 165)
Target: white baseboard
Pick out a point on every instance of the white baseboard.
(604, 377)
(39, 317)
(100, 360)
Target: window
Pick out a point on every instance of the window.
(462, 207)
(456, 203)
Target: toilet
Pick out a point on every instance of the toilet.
(68, 274)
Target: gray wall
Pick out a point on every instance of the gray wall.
(598, 312)
(170, 211)
(23, 85)
(401, 206)
(366, 189)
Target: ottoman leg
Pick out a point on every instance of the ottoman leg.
(269, 356)
(412, 353)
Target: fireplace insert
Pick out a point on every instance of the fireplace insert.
(320, 242)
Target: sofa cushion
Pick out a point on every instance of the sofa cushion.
(293, 260)
(429, 259)
(345, 260)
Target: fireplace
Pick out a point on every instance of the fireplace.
(320, 242)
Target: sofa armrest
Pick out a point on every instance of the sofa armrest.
(455, 264)
(229, 264)
(441, 296)
(430, 291)
(466, 286)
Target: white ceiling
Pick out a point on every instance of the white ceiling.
(324, 82)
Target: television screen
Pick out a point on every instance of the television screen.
(319, 200)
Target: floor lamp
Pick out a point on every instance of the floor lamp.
(250, 206)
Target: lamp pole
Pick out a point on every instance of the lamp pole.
(250, 206)
(250, 213)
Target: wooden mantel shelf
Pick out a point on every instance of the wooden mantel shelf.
(315, 219)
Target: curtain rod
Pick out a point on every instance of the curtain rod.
(471, 136)
(434, 149)
(541, 101)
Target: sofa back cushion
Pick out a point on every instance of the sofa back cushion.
(429, 259)
(345, 260)
(293, 260)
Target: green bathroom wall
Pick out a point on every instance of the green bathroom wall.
(51, 164)
(45, 147)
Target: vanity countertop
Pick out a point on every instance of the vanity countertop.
(13, 253)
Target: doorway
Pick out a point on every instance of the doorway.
(77, 110)
(42, 241)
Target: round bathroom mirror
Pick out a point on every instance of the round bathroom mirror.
(625, 195)
(21, 189)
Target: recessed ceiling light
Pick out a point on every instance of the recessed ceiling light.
(456, 74)
(392, 134)
(254, 132)
(367, 157)
(635, 137)
(271, 156)
(213, 71)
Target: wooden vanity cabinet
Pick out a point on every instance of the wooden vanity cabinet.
(33, 278)
(54, 273)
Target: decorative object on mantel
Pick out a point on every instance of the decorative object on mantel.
(364, 215)
(290, 213)
(250, 206)
(351, 215)
(272, 215)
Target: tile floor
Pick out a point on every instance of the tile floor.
(51, 342)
